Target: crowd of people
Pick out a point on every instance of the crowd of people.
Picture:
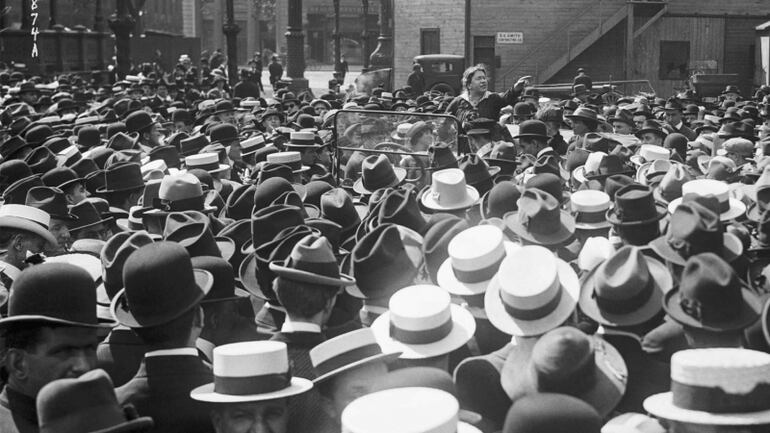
(174, 258)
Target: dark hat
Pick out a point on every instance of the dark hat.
(502, 152)
(88, 137)
(61, 177)
(192, 145)
(312, 261)
(271, 170)
(291, 198)
(609, 165)
(13, 170)
(160, 285)
(436, 241)
(553, 413)
(500, 200)
(41, 160)
(168, 154)
(223, 133)
(124, 176)
(86, 404)
(337, 206)
(635, 205)
(122, 141)
(673, 104)
(36, 135)
(240, 202)
(710, 296)
(440, 156)
(378, 172)
(476, 170)
(240, 233)
(547, 182)
(731, 88)
(54, 293)
(400, 207)
(11, 146)
(652, 126)
(138, 121)
(175, 138)
(315, 189)
(100, 155)
(479, 126)
(192, 230)
(595, 142)
(270, 189)
(267, 222)
(615, 182)
(223, 288)
(532, 129)
(16, 193)
(180, 115)
(114, 255)
(624, 116)
(539, 219)
(87, 216)
(52, 200)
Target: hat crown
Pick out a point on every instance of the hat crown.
(589, 201)
(635, 203)
(352, 346)
(528, 278)
(593, 162)
(477, 248)
(179, 186)
(651, 152)
(448, 186)
(29, 213)
(420, 307)
(267, 222)
(248, 359)
(595, 250)
(49, 199)
(114, 255)
(538, 211)
(623, 275)
(377, 172)
(710, 289)
(560, 353)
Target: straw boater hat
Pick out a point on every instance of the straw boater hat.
(589, 208)
(423, 323)
(347, 352)
(532, 293)
(413, 410)
(716, 387)
(205, 161)
(729, 208)
(291, 158)
(250, 372)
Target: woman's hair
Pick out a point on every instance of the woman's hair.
(468, 74)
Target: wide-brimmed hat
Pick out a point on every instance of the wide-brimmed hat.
(205, 161)
(710, 296)
(583, 113)
(250, 372)
(27, 218)
(651, 126)
(423, 323)
(400, 207)
(86, 404)
(532, 293)
(715, 387)
(670, 186)
(589, 207)
(192, 145)
(312, 261)
(650, 152)
(192, 230)
(114, 255)
(346, 352)
(449, 191)
(476, 169)
(441, 156)
(625, 290)
(51, 200)
(568, 361)
(635, 205)
(61, 177)
(540, 220)
(123, 176)
(608, 165)
(292, 159)
(474, 258)
(337, 206)
(729, 208)
(160, 285)
(411, 409)
(87, 216)
(378, 172)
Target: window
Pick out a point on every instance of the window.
(430, 42)
(674, 60)
(442, 67)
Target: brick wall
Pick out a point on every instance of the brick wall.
(410, 16)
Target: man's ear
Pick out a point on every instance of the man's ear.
(16, 364)
(17, 243)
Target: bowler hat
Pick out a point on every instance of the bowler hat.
(315, 189)
(13, 170)
(710, 296)
(539, 219)
(224, 132)
(532, 129)
(500, 200)
(160, 285)
(86, 404)
(312, 261)
(635, 205)
(53, 293)
(138, 121)
(124, 176)
(51, 200)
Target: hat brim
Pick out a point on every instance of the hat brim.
(565, 231)
(503, 321)
(662, 406)
(248, 277)
(28, 226)
(359, 188)
(613, 219)
(751, 308)
(103, 221)
(737, 208)
(429, 201)
(207, 394)
(281, 270)
(52, 320)
(446, 279)
(463, 328)
(119, 308)
(382, 357)
(732, 248)
(663, 283)
(142, 424)
(226, 247)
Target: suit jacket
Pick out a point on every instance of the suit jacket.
(687, 132)
(120, 355)
(161, 389)
(18, 413)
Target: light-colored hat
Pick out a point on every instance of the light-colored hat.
(292, 158)
(205, 161)
(646, 171)
(252, 144)
(251, 371)
(595, 250)
(718, 386)
(413, 410)
(475, 255)
(154, 169)
(400, 133)
(589, 208)
(532, 293)
(27, 218)
(448, 191)
(423, 323)
(729, 208)
(631, 422)
(591, 166)
(650, 152)
(346, 352)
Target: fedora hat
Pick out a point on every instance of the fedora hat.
(710, 296)
(267, 222)
(9, 147)
(160, 285)
(567, 361)
(729, 208)
(474, 258)
(635, 205)
(400, 207)
(652, 172)
(695, 229)
(554, 413)
(87, 216)
(238, 231)
(250, 372)
(291, 198)
(532, 293)
(205, 161)
(421, 322)
(312, 261)
(705, 388)
(116, 251)
(52, 201)
(61, 177)
(385, 260)
(223, 288)
(670, 186)
(441, 156)
(122, 141)
(180, 192)
(449, 192)
(651, 126)
(27, 218)
(532, 129)
(476, 169)
(583, 113)
(292, 159)
(589, 209)
(539, 219)
(608, 165)
(347, 352)
(337, 206)
(86, 404)
(41, 160)
(412, 409)
(501, 199)
(378, 172)
(138, 121)
(240, 203)
(192, 145)
(192, 230)
(123, 176)
(625, 290)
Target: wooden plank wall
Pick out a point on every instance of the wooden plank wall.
(740, 49)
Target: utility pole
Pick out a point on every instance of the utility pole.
(122, 24)
(230, 29)
(295, 45)
(336, 35)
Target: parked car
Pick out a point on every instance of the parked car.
(443, 72)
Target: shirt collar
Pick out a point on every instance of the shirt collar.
(544, 150)
(10, 270)
(206, 347)
(679, 125)
(172, 352)
(298, 326)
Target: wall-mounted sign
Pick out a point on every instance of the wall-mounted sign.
(505, 38)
